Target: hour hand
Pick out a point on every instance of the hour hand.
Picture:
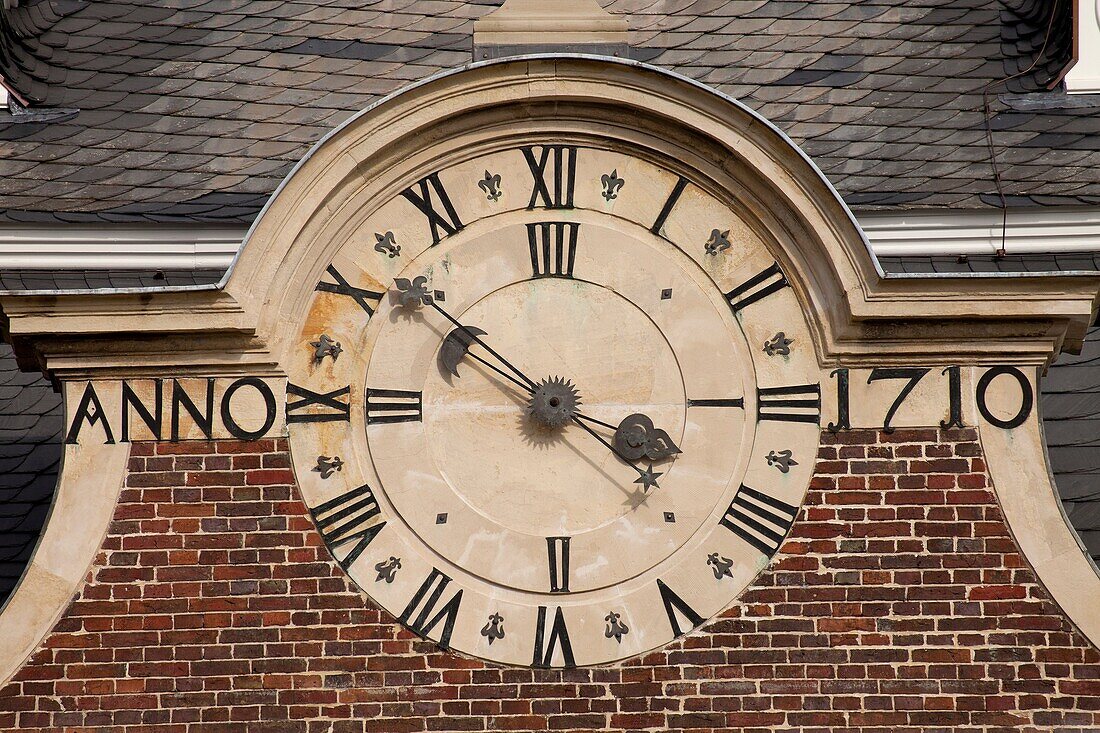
(636, 437)
(456, 346)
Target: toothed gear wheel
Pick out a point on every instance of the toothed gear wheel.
(554, 402)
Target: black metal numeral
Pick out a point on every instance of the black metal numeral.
(954, 383)
(447, 219)
(427, 597)
(758, 286)
(674, 603)
(913, 374)
(554, 172)
(843, 408)
(798, 403)
(341, 287)
(345, 519)
(761, 520)
(394, 405)
(553, 246)
(719, 402)
(545, 646)
(557, 550)
(670, 203)
(334, 410)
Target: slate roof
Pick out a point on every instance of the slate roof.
(194, 110)
(30, 457)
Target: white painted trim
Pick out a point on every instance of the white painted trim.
(175, 247)
(1084, 77)
(979, 232)
(123, 247)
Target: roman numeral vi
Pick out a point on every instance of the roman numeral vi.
(546, 645)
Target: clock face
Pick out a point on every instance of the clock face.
(554, 405)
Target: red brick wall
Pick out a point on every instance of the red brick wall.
(899, 603)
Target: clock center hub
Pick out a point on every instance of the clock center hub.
(554, 403)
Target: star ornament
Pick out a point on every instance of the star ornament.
(648, 478)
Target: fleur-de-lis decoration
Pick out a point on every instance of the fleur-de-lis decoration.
(612, 184)
(387, 569)
(718, 241)
(412, 294)
(387, 245)
(615, 628)
(326, 466)
(719, 565)
(490, 184)
(494, 628)
(779, 344)
(324, 346)
(781, 460)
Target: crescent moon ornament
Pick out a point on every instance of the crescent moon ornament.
(455, 346)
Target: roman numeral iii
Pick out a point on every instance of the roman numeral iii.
(367, 299)
(394, 405)
(347, 519)
(546, 645)
(554, 172)
(756, 287)
(429, 196)
(797, 403)
(553, 247)
(315, 406)
(761, 520)
(426, 599)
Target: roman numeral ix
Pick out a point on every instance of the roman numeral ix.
(394, 405)
(439, 210)
(345, 519)
(760, 285)
(553, 247)
(557, 550)
(798, 403)
(554, 172)
(761, 520)
(341, 287)
(333, 409)
(427, 597)
(545, 646)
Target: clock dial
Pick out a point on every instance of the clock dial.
(555, 404)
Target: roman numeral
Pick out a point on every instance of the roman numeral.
(341, 287)
(427, 597)
(447, 219)
(554, 173)
(674, 603)
(334, 411)
(756, 287)
(394, 405)
(670, 202)
(343, 519)
(798, 403)
(727, 402)
(546, 646)
(553, 246)
(759, 519)
(557, 550)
